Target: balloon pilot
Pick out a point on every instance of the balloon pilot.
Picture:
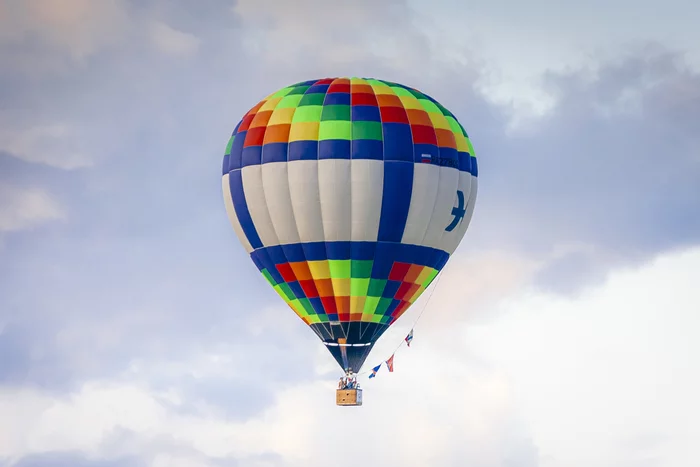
(349, 381)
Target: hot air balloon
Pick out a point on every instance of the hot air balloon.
(350, 195)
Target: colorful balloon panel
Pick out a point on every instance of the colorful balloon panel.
(350, 195)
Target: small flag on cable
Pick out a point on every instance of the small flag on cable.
(409, 338)
(390, 364)
(375, 370)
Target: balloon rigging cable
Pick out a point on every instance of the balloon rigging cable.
(425, 305)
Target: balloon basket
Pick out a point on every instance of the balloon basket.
(348, 397)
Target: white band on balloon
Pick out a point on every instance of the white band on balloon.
(335, 344)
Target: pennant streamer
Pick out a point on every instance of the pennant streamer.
(390, 364)
(390, 361)
(408, 339)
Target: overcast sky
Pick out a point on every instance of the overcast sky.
(135, 331)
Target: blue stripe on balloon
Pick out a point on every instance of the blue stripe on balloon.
(384, 254)
(396, 200)
(398, 142)
(236, 151)
(334, 149)
(274, 152)
(314, 250)
(367, 149)
(393, 149)
(338, 249)
(303, 151)
(252, 155)
(384, 258)
(464, 163)
(278, 255)
(262, 256)
(450, 156)
(227, 157)
(241, 206)
(225, 165)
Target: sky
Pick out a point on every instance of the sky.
(135, 331)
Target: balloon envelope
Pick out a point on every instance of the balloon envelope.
(349, 195)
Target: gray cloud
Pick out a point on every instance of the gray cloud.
(612, 169)
(26, 207)
(74, 459)
(141, 453)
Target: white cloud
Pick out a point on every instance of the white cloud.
(78, 28)
(342, 34)
(172, 41)
(474, 280)
(295, 427)
(517, 39)
(607, 380)
(618, 365)
(24, 208)
(55, 145)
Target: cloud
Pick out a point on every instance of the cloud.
(100, 412)
(73, 459)
(77, 28)
(172, 41)
(343, 36)
(611, 169)
(79, 77)
(511, 392)
(55, 145)
(25, 208)
(619, 355)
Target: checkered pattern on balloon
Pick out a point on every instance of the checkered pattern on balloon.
(350, 195)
